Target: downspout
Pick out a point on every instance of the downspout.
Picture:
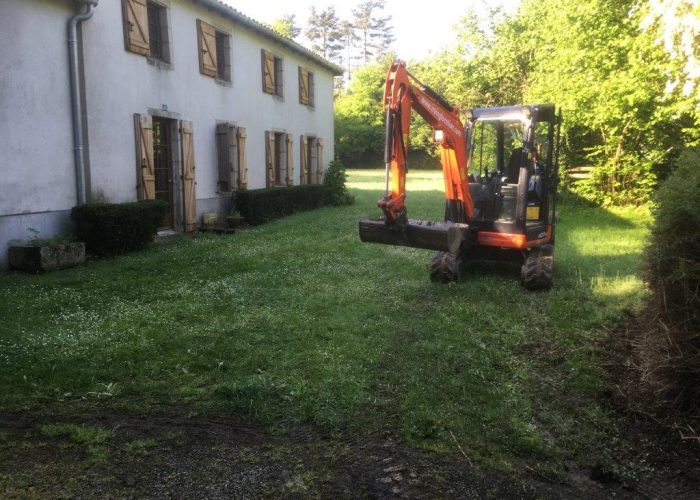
(76, 92)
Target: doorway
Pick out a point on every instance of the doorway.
(163, 166)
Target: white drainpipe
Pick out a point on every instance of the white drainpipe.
(76, 92)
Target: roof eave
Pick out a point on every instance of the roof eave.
(261, 29)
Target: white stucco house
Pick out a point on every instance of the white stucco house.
(119, 100)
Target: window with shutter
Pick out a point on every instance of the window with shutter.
(268, 72)
(136, 37)
(303, 86)
(214, 51)
(272, 73)
(146, 29)
(306, 87)
(206, 41)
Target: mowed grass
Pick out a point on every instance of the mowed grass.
(298, 321)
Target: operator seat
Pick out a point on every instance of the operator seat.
(513, 169)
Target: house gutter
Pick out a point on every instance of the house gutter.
(76, 91)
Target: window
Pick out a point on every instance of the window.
(271, 73)
(214, 51)
(279, 159)
(223, 51)
(230, 146)
(311, 149)
(306, 87)
(146, 29)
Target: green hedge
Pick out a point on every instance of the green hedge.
(109, 229)
(261, 205)
(258, 206)
(672, 262)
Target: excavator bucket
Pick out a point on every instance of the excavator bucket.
(431, 235)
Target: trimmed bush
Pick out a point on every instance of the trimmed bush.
(334, 182)
(262, 205)
(258, 206)
(668, 351)
(109, 229)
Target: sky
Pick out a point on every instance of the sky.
(419, 28)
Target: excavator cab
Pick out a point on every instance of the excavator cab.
(512, 176)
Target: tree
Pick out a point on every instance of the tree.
(286, 26)
(375, 33)
(359, 116)
(324, 32)
(349, 40)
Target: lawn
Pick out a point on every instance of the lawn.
(298, 322)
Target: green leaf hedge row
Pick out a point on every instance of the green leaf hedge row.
(115, 228)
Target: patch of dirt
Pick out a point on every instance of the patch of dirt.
(176, 455)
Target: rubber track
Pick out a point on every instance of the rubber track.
(444, 267)
(537, 271)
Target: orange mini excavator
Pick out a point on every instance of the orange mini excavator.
(501, 172)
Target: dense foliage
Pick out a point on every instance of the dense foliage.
(670, 356)
(630, 102)
(359, 119)
(116, 228)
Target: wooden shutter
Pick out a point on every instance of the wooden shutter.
(268, 72)
(146, 188)
(304, 160)
(206, 36)
(319, 161)
(290, 160)
(135, 14)
(188, 182)
(270, 157)
(303, 86)
(313, 161)
(233, 158)
(242, 161)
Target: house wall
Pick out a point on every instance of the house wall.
(35, 107)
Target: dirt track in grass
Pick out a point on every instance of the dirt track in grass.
(174, 454)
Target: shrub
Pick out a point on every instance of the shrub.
(258, 206)
(109, 229)
(334, 183)
(669, 350)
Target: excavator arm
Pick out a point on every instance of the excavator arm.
(402, 94)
